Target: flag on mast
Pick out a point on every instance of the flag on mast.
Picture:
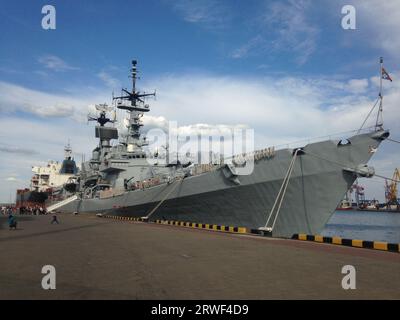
(385, 75)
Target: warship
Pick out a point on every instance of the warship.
(291, 190)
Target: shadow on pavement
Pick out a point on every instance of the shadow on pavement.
(4, 220)
(33, 235)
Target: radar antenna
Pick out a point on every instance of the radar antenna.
(102, 118)
(133, 96)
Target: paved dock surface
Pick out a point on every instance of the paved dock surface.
(98, 258)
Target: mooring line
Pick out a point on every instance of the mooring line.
(163, 199)
(344, 167)
(281, 193)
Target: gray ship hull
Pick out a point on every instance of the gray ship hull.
(319, 180)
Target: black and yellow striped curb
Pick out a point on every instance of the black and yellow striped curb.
(206, 226)
(377, 245)
(212, 227)
(123, 218)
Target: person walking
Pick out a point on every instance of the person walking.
(54, 220)
(12, 222)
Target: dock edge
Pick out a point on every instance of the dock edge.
(376, 245)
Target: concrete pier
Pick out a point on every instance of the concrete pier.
(98, 258)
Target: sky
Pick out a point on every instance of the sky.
(286, 69)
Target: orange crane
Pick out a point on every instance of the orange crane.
(391, 188)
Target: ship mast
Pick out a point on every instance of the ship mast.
(68, 151)
(134, 77)
(383, 75)
(133, 103)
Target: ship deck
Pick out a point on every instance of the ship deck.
(99, 258)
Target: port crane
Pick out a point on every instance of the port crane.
(358, 192)
(391, 188)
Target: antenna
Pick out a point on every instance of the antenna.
(379, 116)
(134, 74)
(133, 96)
(134, 103)
(103, 109)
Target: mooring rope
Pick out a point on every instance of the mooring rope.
(281, 193)
(163, 199)
(386, 178)
(396, 141)
(344, 166)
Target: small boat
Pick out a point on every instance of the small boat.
(345, 205)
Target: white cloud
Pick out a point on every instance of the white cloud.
(291, 26)
(357, 85)
(379, 22)
(249, 47)
(264, 103)
(304, 107)
(283, 27)
(16, 98)
(209, 13)
(294, 31)
(110, 81)
(55, 63)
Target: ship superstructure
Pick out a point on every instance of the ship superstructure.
(124, 166)
(55, 173)
(48, 181)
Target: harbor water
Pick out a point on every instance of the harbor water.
(364, 225)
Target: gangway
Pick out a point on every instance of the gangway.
(61, 203)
